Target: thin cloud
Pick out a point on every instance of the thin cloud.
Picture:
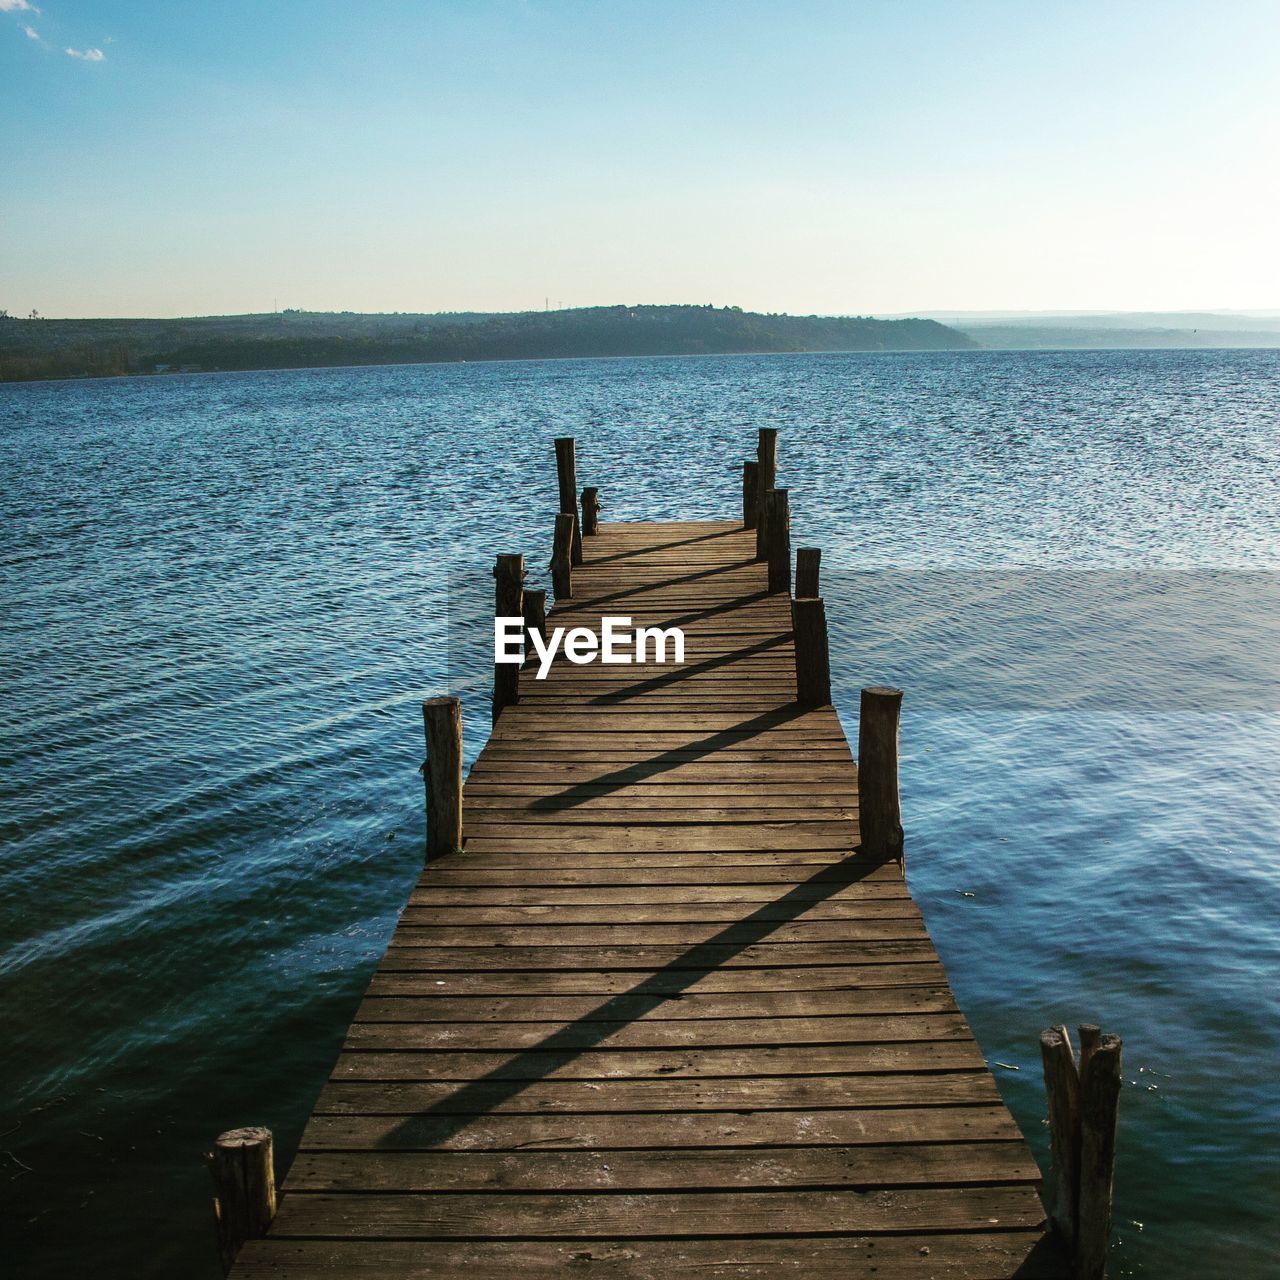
(32, 33)
(85, 55)
(17, 6)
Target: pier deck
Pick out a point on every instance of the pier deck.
(658, 1019)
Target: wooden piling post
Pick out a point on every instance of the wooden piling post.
(750, 493)
(880, 813)
(243, 1167)
(813, 662)
(1062, 1087)
(567, 475)
(562, 557)
(590, 512)
(535, 612)
(1099, 1109)
(442, 774)
(778, 522)
(1084, 1103)
(808, 559)
(508, 603)
(766, 479)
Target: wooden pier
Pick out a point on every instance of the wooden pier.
(660, 1018)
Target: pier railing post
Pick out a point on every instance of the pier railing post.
(778, 521)
(813, 661)
(808, 559)
(1084, 1104)
(590, 512)
(879, 810)
(766, 479)
(750, 493)
(562, 555)
(243, 1167)
(567, 475)
(442, 773)
(535, 612)
(508, 603)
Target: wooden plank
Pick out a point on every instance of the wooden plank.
(499, 982)
(446, 1215)
(636, 1064)
(548, 914)
(763, 1168)
(826, 879)
(647, 959)
(754, 929)
(659, 1128)
(656, 1006)
(977, 1255)
(672, 1033)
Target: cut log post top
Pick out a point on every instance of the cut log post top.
(750, 493)
(766, 479)
(561, 555)
(1083, 1100)
(243, 1167)
(567, 477)
(808, 560)
(442, 773)
(778, 524)
(879, 808)
(590, 511)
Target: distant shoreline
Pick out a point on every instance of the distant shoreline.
(35, 349)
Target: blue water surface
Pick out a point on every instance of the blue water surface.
(226, 593)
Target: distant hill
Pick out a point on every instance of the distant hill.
(34, 348)
(1071, 330)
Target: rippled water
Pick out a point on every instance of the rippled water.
(226, 593)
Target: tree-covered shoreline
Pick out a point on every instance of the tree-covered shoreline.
(35, 348)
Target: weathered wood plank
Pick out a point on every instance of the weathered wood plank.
(554, 982)
(768, 1167)
(447, 1215)
(656, 1006)
(660, 1127)
(627, 1064)
(970, 1256)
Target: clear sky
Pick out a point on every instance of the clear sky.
(164, 157)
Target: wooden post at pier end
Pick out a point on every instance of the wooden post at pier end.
(766, 479)
(1084, 1103)
(813, 662)
(1099, 1110)
(808, 560)
(442, 773)
(590, 511)
(567, 474)
(1062, 1086)
(562, 555)
(243, 1167)
(778, 522)
(535, 612)
(508, 603)
(750, 493)
(880, 814)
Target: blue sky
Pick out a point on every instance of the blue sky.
(873, 156)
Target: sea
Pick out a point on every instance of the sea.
(225, 594)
